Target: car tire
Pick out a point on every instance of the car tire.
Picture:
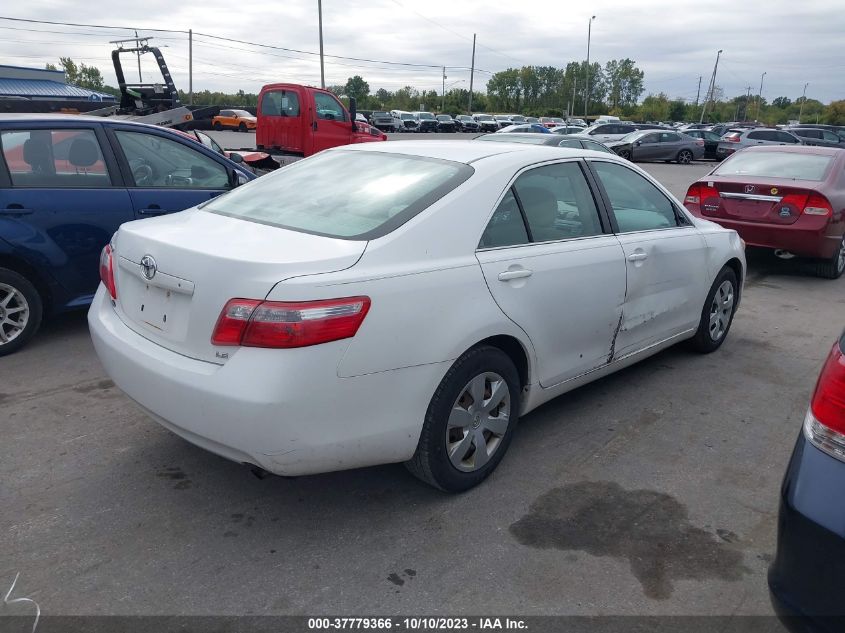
(834, 267)
(242, 127)
(684, 157)
(217, 126)
(717, 314)
(482, 368)
(19, 303)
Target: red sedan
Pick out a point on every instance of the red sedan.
(790, 199)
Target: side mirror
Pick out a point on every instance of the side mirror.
(353, 111)
(236, 158)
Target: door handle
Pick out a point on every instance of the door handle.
(637, 257)
(15, 209)
(508, 275)
(153, 209)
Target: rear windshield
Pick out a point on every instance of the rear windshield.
(776, 165)
(344, 194)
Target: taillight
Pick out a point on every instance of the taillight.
(818, 205)
(700, 142)
(699, 193)
(733, 138)
(825, 422)
(107, 270)
(282, 324)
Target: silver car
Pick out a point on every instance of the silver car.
(736, 139)
(606, 132)
(659, 145)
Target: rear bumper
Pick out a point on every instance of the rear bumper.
(807, 237)
(807, 574)
(286, 411)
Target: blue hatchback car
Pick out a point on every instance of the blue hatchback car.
(807, 576)
(67, 183)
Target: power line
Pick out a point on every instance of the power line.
(90, 26)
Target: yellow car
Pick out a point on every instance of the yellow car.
(240, 120)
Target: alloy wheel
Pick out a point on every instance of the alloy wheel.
(478, 421)
(840, 262)
(721, 310)
(684, 158)
(14, 313)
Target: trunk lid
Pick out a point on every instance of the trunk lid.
(753, 200)
(200, 260)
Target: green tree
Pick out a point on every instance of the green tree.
(834, 113)
(781, 102)
(655, 108)
(677, 110)
(624, 82)
(357, 87)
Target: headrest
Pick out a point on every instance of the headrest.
(83, 153)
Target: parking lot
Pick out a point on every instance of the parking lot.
(105, 512)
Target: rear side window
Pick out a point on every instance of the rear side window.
(506, 227)
(784, 137)
(368, 194)
(54, 158)
(557, 203)
(830, 136)
(809, 133)
(637, 204)
(280, 103)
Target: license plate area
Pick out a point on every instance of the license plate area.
(152, 307)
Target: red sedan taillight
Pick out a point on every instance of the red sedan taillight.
(825, 422)
(818, 205)
(282, 324)
(698, 193)
(107, 270)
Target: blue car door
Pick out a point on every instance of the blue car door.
(62, 201)
(166, 173)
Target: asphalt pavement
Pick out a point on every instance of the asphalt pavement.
(653, 491)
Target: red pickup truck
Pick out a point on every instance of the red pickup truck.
(301, 120)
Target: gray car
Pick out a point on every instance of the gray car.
(606, 132)
(818, 136)
(736, 139)
(659, 145)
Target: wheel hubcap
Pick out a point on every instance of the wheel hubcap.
(840, 263)
(478, 421)
(14, 313)
(721, 309)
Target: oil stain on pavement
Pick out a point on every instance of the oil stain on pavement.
(650, 529)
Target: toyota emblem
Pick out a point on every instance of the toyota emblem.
(148, 266)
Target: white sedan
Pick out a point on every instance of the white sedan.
(406, 302)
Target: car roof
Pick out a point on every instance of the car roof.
(68, 120)
(467, 151)
(797, 149)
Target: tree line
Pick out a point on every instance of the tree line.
(614, 89)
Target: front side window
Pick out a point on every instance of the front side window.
(156, 161)
(280, 103)
(328, 107)
(830, 136)
(54, 158)
(785, 137)
(648, 139)
(669, 137)
(368, 195)
(637, 204)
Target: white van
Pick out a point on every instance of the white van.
(606, 118)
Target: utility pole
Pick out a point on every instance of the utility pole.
(322, 66)
(711, 88)
(698, 93)
(471, 74)
(587, 88)
(443, 93)
(190, 67)
(747, 99)
(759, 97)
(803, 99)
(574, 85)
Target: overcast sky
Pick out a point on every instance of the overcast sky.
(674, 42)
